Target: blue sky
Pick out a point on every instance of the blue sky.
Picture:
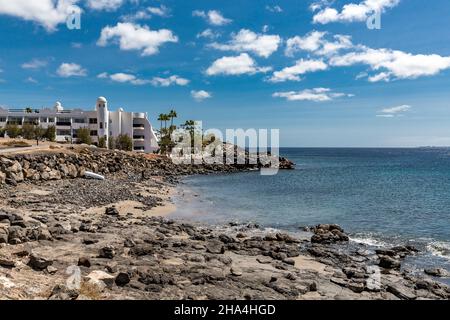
(310, 68)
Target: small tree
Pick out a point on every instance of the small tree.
(124, 142)
(2, 132)
(84, 136)
(111, 143)
(50, 133)
(39, 133)
(13, 130)
(102, 142)
(28, 131)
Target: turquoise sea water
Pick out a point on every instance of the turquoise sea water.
(380, 196)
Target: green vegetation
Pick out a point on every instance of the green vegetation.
(13, 130)
(124, 142)
(84, 136)
(28, 131)
(102, 142)
(50, 133)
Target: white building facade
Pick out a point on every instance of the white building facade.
(101, 123)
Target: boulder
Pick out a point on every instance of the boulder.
(17, 235)
(7, 261)
(437, 272)
(389, 263)
(112, 211)
(84, 262)
(4, 233)
(107, 252)
(122, 279)
(101, 279)
(328, 234)
(39, 263)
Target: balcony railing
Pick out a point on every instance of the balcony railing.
(67, 124)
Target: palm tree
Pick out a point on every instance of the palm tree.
(166, 118)
(161, 118)
(172, 114)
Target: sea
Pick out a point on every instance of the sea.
(380, 196)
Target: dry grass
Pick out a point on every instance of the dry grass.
(90, 290)
(16, 144)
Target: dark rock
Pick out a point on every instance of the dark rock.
(142, 250)
(437, 272)
(122, 279)
(389, 263)
(61, 292)
(215, 247)
(107, 252)
(401, 291)
(39, 263)
(84, 262)
(17, 235)
(112, 211)
(329, 233)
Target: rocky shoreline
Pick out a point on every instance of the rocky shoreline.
(70, 238)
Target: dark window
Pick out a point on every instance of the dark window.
(2, 119)
(94, 133)
(51, 120)
(138, 137)
(93, 120)
(44, 119)
(79, 120)
(63, 132)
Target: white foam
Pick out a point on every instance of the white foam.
(440, 249)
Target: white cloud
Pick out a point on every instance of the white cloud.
(316, 43)
(47, 13)
(393, 64)
(301, 67)
(166, 82)
(200, 95)
(353, 11)
(106, 5)
(213, 17)
(235, 65)
(31, 80)
(34, 64)
(275, 8)
(67, 70)
(161, 11)
(394, 111)
(123, 78)
(246, 40)
(209, 34)
(315, 95)
(135, 37)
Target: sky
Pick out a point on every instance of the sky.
(315, 69)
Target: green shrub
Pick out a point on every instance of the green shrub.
(84, 136)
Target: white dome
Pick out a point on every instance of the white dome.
(120, 110)
(102, 99)
(58, 106)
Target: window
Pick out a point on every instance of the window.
(94, 133)
(92, 120)
(2, 119)
(79, 120)
(31, 121)
(63, 132)
(51, 120)
(44, 120)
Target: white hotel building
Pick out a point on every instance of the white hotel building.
(101, 123)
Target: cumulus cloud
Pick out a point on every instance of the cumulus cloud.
(316, 43)
(314, 95)
(301, 67)
(245, 40)
(352, 12)
(213, 17)
(172, 80)
(46, 13)
(235, 65)
(388, 64)
(123, 78)
(161, 11)
(35, 64)
(67, 70)
(393, 64)
(135, 37)
(106, 5)
(394, 111)
(208, 34)
(200, 95)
